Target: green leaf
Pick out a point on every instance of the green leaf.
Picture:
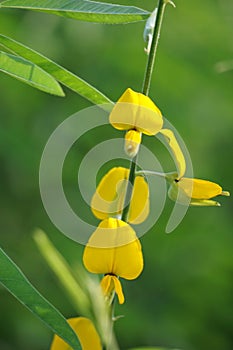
(17, 284)
(59, 73)
(29, 73)
(63, 272)
(83, 10)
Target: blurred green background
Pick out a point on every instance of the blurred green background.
(184, 297)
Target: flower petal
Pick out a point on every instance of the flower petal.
(86, 333)
(107, 286)
(118, 289)
(114, 249)
(109, 196)
(139, 206)
(132, 142)
(134, 110)
(199, 189)
(204, 203)
(111, 284)
(176, 151)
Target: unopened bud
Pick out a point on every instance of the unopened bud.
(132, 142)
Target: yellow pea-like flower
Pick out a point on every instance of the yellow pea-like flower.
(115, 251)
(135, 111)
(111, 284)
(86, 332)
(108, 199)
(187, 190)
(200, 192)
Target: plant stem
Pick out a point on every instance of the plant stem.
(145, 90)
(154, 45)
(148, 172)
(129, 188)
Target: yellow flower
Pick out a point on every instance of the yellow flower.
(186, 190)
(108, 199)
(200, 192)
(138, 114)
(114, 250)
(86, 333)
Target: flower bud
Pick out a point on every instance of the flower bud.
(132, 142)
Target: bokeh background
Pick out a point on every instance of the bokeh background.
(184, 297)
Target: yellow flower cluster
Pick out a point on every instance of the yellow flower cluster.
(114, 249)
(136, 113)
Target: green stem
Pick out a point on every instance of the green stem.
(154, 45)
(145, 90)
(129, 188)
(149, 172)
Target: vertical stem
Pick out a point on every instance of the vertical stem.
(154, 45)
(129, 188)
(145, 90)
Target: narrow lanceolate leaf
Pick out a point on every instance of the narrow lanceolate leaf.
(65, 77)
(83, 10)
(17, 284)
(63, 272)
(29, 73)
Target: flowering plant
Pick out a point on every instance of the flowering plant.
(122, 200)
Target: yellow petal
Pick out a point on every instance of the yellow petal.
(111, 284)
(86, 333)
(136, 111)
(199, 189)
(108, 199)
(139, 206)
(204, 203)
(132, 142)
(118, 289)
(176, 151)
(107, 286)
(114, 249)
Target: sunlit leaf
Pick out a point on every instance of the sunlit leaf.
(59, 73)
(84, 10)
(17, 284)
(29, 73)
